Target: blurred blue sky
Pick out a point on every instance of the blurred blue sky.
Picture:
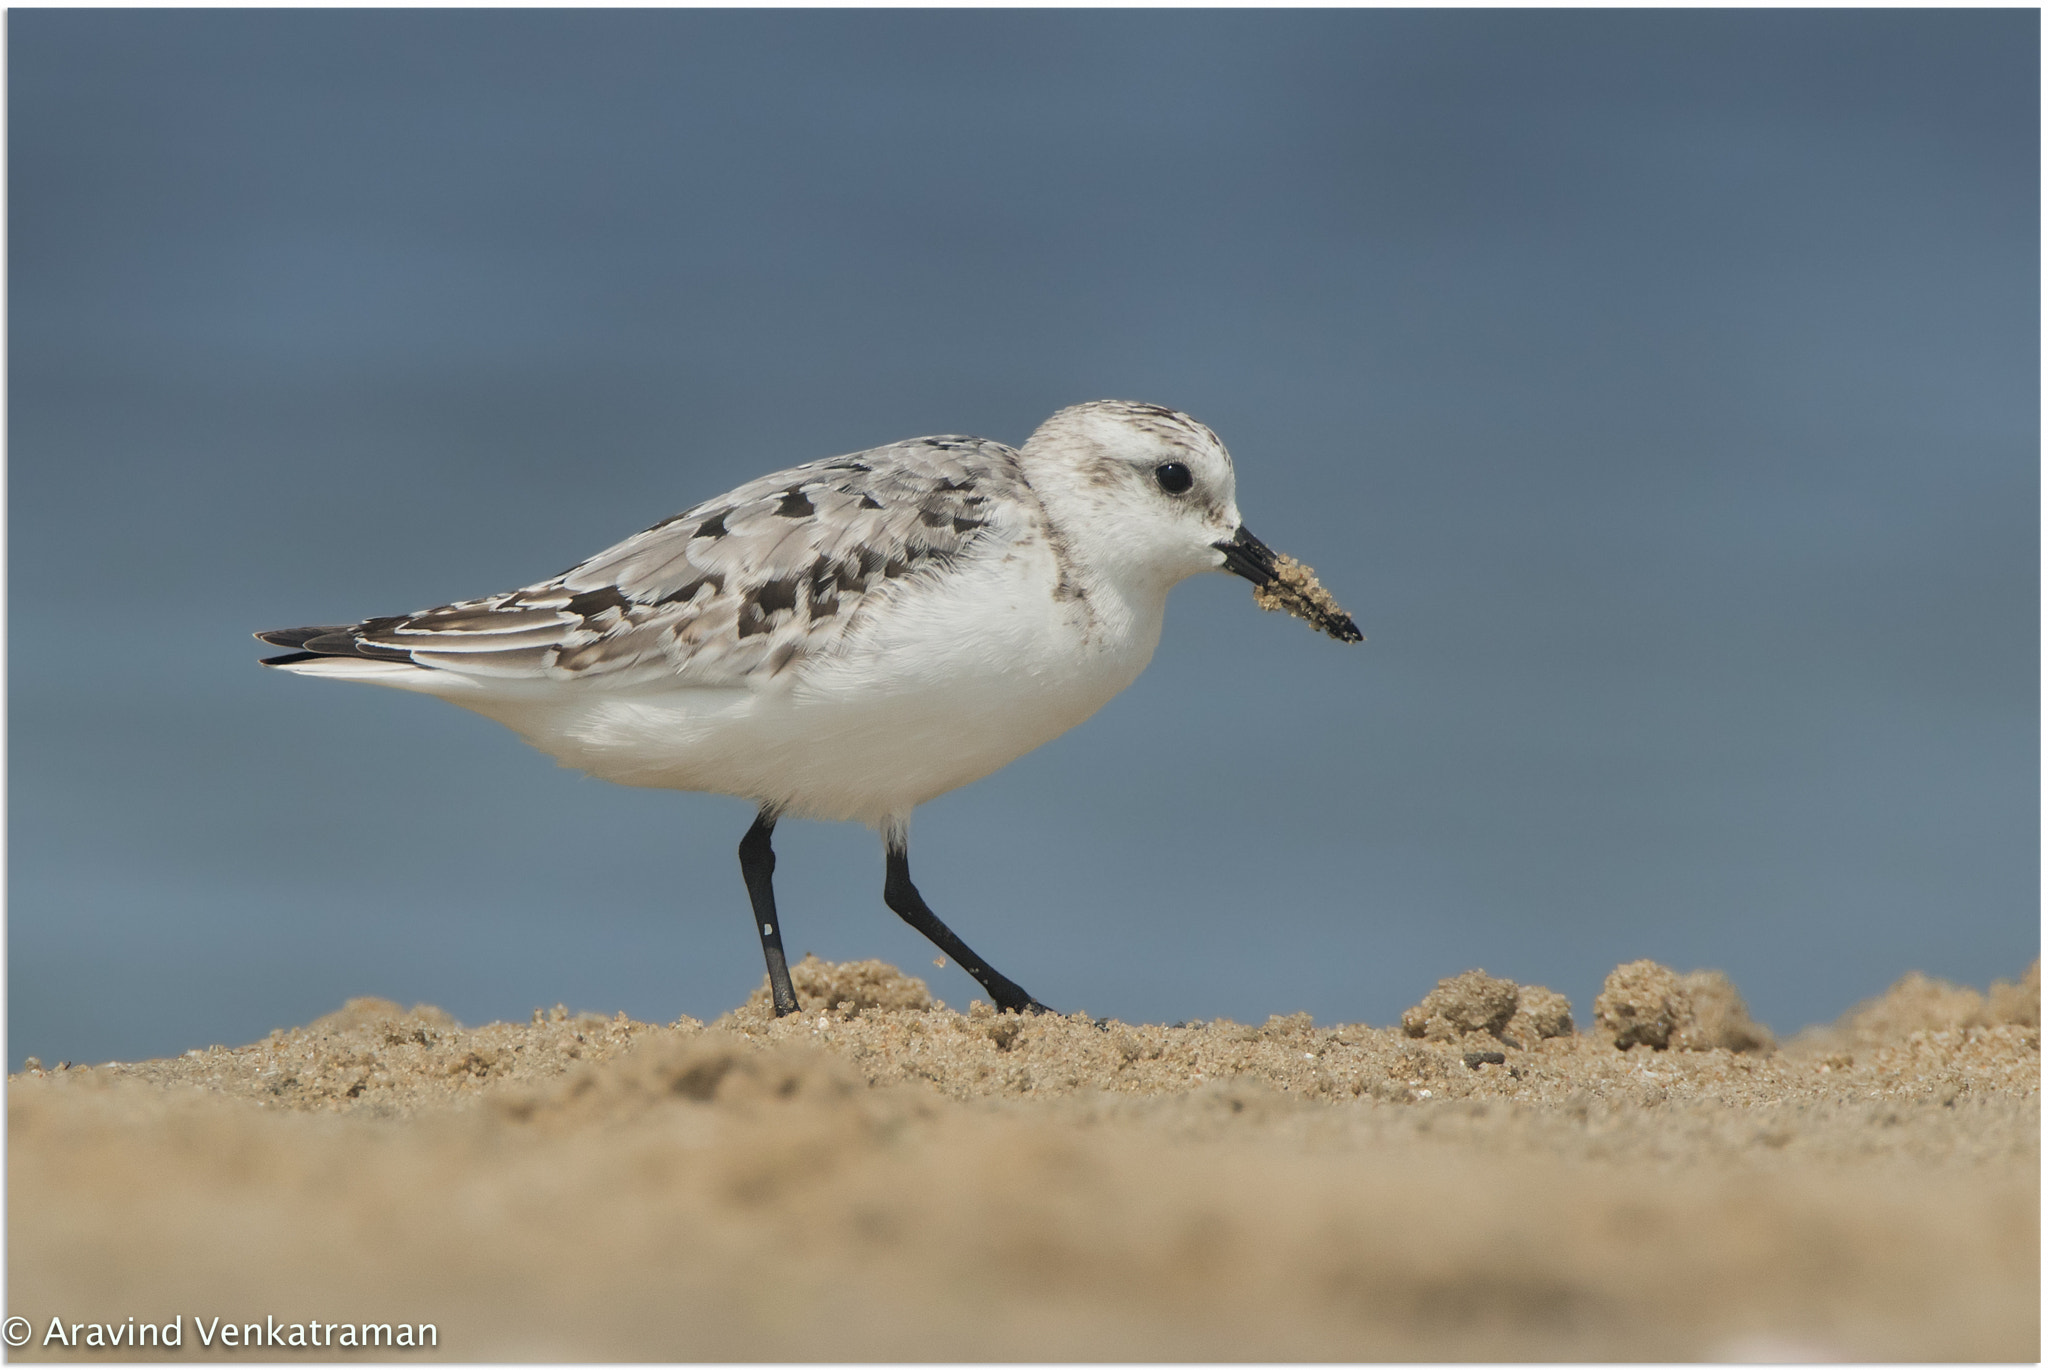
(1657, 389)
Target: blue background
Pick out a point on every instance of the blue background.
(1659, 390)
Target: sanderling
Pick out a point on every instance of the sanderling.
(850, 638)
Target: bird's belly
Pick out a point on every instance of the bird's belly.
(935, 696)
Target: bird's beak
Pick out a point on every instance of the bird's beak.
(1246, 556)
(1283, 583)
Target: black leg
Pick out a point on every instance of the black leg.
(902, 896)
(757, 864)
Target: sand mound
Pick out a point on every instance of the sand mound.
(881, 1178)
(1918, 1003)
(1476, 1002)
(844, 987)
(1645, 1004)
(372, 1056)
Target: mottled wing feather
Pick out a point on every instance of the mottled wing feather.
(777, 572)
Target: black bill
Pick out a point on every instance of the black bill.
(1283, 583)
(1246, 556)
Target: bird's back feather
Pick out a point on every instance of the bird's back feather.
(729, 592)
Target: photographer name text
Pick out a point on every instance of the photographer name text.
(209, 1333)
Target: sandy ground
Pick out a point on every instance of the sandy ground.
(882, 1178)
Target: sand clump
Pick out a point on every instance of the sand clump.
(837, 987)
(1478, 1003)
(1295, 590)
(1539, 1014)
(1646, 1004)
(880, 1177)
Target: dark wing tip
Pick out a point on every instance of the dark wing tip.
(329, 641)
(294, 637)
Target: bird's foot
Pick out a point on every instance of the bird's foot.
(1013, 998)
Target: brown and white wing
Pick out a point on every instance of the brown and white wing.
(734, 590)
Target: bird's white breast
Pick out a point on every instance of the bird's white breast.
(955, 675)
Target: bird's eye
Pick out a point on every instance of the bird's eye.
(1173, 478)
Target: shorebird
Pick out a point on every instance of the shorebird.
(852, 637)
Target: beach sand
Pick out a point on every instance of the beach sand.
(884, 1178)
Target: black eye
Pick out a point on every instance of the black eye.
(1173, 478)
